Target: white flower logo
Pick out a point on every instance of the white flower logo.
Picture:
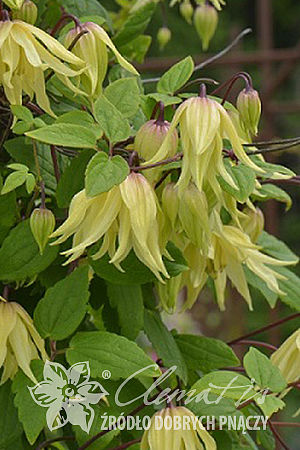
(68, 395)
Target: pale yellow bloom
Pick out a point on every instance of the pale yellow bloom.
(204, 123)
(26, 52)
(231, 249)
(128, 213)
(169, 437)
(14, 4)
(20, 343)
(287, 358)
(92, 48)
(252, 222)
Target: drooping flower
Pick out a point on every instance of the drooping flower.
(231, 249)
(26, 52)
(127, 214)
(252, 222)
(204, 123)
(173, 428)
(92, 48)
(287, 358)
(187, 10)
(28, 12)
(164, 36)
(20, 343)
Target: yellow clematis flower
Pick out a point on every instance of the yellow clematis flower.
(20, 343)
(92, 48)
(231, 249)
(26, 52)
(14, 4)
(204, 123)
(128, 213)
(173, 428)
(287, 358)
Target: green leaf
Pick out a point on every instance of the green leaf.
(176, 77)
(166, 99)
(256, 282)
(31, 415)
(124, 94)
(244, 178)
(64, 306)
(128, 300)
(19, 167)
(108, 351)
(135, 25)
(8, 213)
(115, 126)
(22, 152)
(271, 191)
(30, 183)
(266, 439)
(164, 343)
(276, 248)
(205, 354)
(137, 49)
(10, 427)
(238, 387)
(259, 367)
(269, 404)
(215, 406)
(13, 181)
(290, 286)
(22, 113)
(69, 184)
(86, 7)
(103, 173)
(20, 258)
(81, 118)
(270, 169)
(66, 135)
(135, 272)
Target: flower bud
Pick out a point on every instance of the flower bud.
(28, 12)
(206, 21)
(253, 223)
(168, 430)
(168, 293)
(170, 202)
(217, 3)
(163, 37)
(187, 11)
(249, 107)
(150, 137)
(287, 358)
(42, 224)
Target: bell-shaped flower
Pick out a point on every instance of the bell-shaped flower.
(231, 249)
(128, 215)
(204, 123)
(92, 47)
(287, 358)
(20, 343)
(26, 52)
(177, 428)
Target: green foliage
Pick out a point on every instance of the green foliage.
(176, 77)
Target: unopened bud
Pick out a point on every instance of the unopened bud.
(150, 137)
(170, 202)
(253, 223)
(168, 293)
(206, 21)
(28, 12)
(187, 11)
(42, 224)
(249, 107)
(163, 37)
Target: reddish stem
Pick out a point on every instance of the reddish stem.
(55, 163)
(257, 344)
(266, 328)
(277, 436)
